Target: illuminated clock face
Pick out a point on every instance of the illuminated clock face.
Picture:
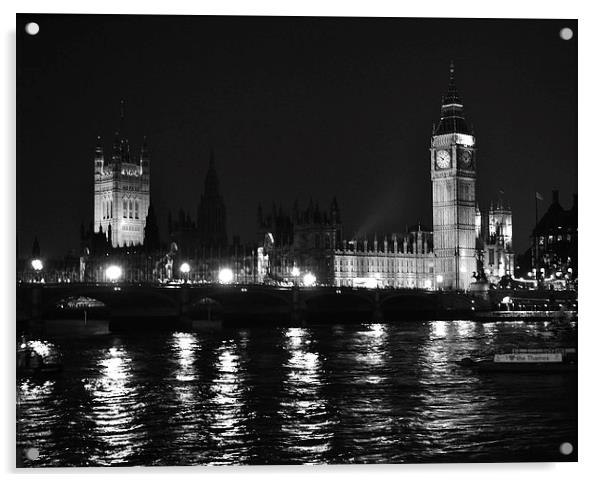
(466, 159)
(442, 159)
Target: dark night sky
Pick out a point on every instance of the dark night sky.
(294, 107)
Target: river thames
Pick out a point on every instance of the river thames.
(323, 394)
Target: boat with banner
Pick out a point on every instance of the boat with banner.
(526, 360)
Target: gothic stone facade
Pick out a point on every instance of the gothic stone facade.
(388, 262)
(452, 256)
(121, 192)
(497, 253)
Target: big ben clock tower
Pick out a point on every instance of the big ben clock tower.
(453, 175)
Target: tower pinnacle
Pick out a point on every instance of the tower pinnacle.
(98, 156)
(121, 211)
(452, 96)
(121, 129)
(98, 151)
(452, 109)
(144, 154)
(211, 181)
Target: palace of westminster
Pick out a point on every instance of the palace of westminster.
(464, 245)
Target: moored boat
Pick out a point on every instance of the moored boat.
(35, 358)
(526, 360)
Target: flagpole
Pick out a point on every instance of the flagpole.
(536, 242)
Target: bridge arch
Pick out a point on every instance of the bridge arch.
(242, 297)
(417, 304)
(123, 299)
(343, 305)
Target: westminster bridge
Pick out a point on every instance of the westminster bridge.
(253, 302)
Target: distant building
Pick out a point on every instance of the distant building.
(400, 261)
(553, 254)
(453, 176)
(203, 244)
(454, 254)
(307, 240)
(121, 191)
(211, 215)
(462, 247)
(207, 237)
(312, 241)
(495, 257)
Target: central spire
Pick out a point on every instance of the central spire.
(121, 146)
(122, 118)
(452, 119)
(452, 97)
(211, 181)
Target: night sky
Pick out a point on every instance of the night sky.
(294, 108)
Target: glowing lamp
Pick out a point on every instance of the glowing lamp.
(309, 279)
(113, 273)
(295, 271)
(37, 264)
(185, 268)
(226, 276)
(439, 278)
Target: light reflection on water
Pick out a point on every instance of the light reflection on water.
(35, 399)
(226, 417)
(114, 403)
(449, 402)
(305, 425)
(185, 345)
(365, 406)
(318, 394)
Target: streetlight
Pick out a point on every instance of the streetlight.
(113, 272)
(185, 269)
(295, 272)
(37, 266)
(226, 276)
(309, 279)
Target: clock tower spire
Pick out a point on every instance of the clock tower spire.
(453, 176)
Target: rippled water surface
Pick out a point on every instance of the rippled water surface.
(369, 393)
